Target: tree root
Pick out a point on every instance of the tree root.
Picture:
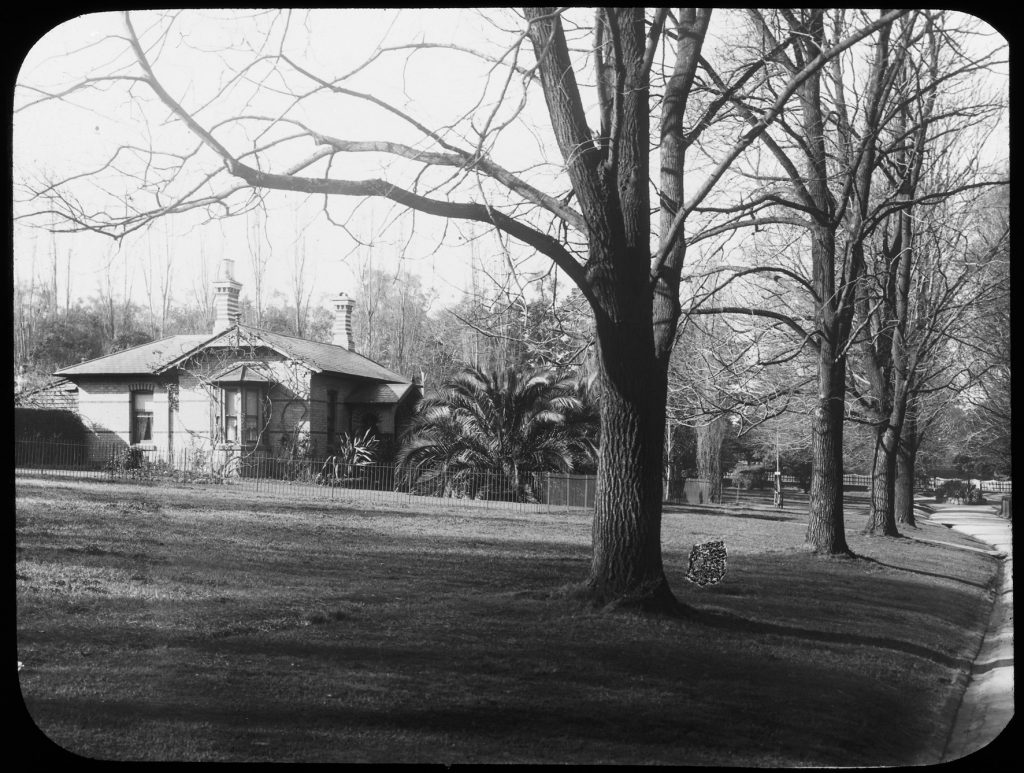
(656, 600)
(841, 555)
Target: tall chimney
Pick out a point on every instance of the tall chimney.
(343, 322)
(225, 298)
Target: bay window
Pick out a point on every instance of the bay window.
(241, 414)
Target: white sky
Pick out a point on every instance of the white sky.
(57, 139)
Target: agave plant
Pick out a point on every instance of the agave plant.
(353, 451)
(508, 425)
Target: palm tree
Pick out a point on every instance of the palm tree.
(508, 425)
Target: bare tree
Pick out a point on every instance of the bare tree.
(300, 286)
(839, 151)
(912, 280)
(596, 227)
(259, 254)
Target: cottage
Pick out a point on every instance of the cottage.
(241, 390)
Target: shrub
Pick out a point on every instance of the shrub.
(749, 479)
(49, 424)
(960, 490)
(130, 463)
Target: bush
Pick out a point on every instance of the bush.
(749, 479)
(961, 490)
(49, 424)
(131, 463)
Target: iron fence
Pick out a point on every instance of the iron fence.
(329, 479)
(117, 461)
(337, 479)
(333, 479)
(990, 486)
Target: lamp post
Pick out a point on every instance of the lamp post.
(778, 473)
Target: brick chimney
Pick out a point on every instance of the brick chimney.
(225, 298)
(342, 306)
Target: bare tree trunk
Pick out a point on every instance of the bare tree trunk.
(627, 565)
(633, 357)
(881, 515)
(709, 457)
(826, 531)
(906, 457)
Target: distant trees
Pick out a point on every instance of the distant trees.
(392, 323)
(49, 335)
(504, 326)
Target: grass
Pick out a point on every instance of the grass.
(185, 624)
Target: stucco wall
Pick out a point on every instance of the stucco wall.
(193, 421)
(105, 407)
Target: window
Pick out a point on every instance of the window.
(332, 416)
(141, 417)
(241, 414)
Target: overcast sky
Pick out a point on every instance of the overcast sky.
(59, 138)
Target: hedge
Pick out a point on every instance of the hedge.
(49, 424)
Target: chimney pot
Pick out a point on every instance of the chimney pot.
(225, 297)
(343, 306)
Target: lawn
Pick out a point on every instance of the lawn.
(177, 623)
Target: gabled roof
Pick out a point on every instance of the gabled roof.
(146, 358)
(168, 352)
(379, 393)
(328, 357)
(249, 372)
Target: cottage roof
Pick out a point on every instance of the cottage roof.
(336, 359)
(147, 358)
(379, 393)
(164, 354)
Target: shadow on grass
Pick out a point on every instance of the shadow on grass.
(735, 623)
(345, 643)
(923, 573)
(552, 718)
(726, 512)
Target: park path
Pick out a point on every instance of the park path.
(987, 704)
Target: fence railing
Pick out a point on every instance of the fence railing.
(333, 479)
(991, 486)
(317, 479)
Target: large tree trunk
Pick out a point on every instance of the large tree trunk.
(627, 564)
(881, 514)
(826, 531)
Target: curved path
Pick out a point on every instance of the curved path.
(987, 704)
